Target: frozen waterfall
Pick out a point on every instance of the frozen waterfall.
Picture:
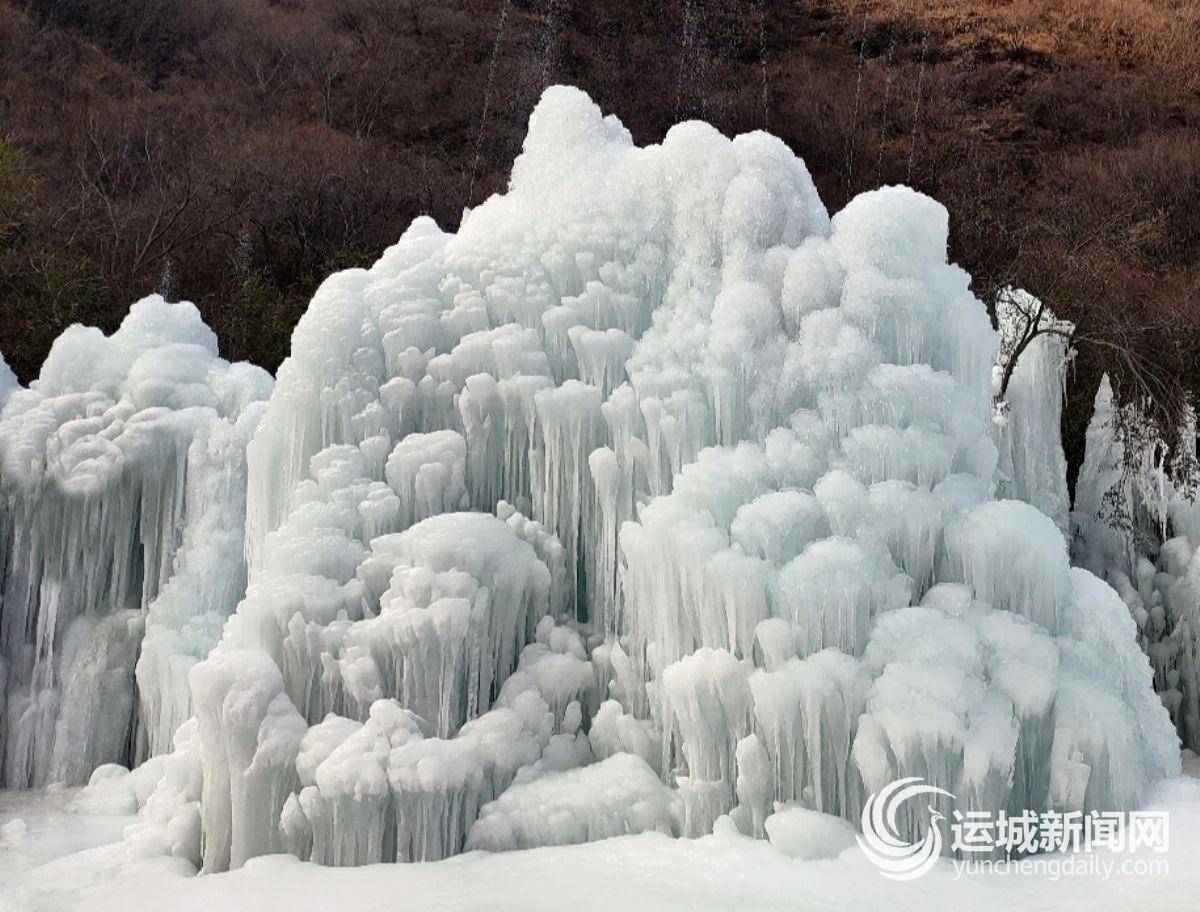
(652, 495)
(123, 477)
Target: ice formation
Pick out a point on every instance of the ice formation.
(807, 835)
(123, 474)
(1135, 528)
(653, 495)
(8, 381)
(614, 797)
(1033, 467)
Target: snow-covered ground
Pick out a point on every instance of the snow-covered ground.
(38, 827)
(47, 870)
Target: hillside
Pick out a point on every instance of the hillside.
(234, 152)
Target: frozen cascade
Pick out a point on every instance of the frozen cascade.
(8, 381)
(184, 622)
(805, 711)
(98, 654)
(706, 712)
(343, 814)
(1033, 467)
(734, 539)
(1139, 532)
(123, 481)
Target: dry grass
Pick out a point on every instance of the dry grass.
(1163, 35)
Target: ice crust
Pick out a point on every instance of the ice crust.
(653, 495)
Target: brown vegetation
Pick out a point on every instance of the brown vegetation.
(233, 152)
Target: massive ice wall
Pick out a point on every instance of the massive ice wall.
(122, 475)
(653, 494)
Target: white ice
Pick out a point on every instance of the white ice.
(651, 499)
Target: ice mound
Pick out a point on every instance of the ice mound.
(733, 539)
(123, 474)
(614, 797)
(12, 834)
(808, 835)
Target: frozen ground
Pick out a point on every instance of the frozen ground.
(51, 829)
(47, 870)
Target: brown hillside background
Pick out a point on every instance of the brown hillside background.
(234, 152)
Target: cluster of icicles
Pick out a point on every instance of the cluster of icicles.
(1141, 533)
(652, 495)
